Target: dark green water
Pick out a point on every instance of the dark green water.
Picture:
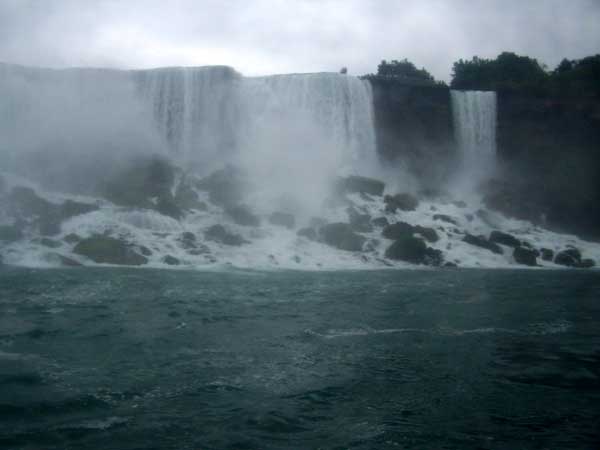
(143, 359)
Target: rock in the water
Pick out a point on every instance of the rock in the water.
(359, 222)
(225, 187)
(480, 241)
(380, 222)
(404, 202)
(145, 184)
(242, 215)
(363, 185)
(72, 238)
(61, 260)
(413, 250)
(547, 254)
(340, 235)
(109, 250)
(218, 233)
(308, 232)
(171, 260)
(282, 219)
(402, 229)
(586, 263)
(445, 218)
(525, 256)
(570, 257)
(500, 237)
(10, 233)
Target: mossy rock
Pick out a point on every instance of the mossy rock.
(104, 249)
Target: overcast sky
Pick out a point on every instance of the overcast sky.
(280, 36)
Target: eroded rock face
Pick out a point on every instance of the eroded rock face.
(403, 202)
(480, 241)
(413, 250)
(218, 233)
(109, 250)
(363, 185)
(525, 256)
(341, 235)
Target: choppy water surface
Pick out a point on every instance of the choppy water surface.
(143, 359)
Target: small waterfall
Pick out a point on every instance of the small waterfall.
(475, 130)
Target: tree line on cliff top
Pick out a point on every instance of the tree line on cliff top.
(508, 71)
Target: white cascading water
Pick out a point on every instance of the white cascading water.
(475, 130)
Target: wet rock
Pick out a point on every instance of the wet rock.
(401, 229)
(445, 218)
(547, 254)
(525, 256)
(187, 240)
(359, 222)
(450, 264)
(341, 235)
(242, 215)
(296, 259)
(171, 260)
(404, 202)
(380, 222)
(10, 233)
(569, 257)
(469, 217)
(363, 185)
(145, 183)
(283, 219)
(218, 233)
(144, 250)
(500, 237)
(482, 242)
(460, 204)
(225, 187)
(413, 250)
(372, 245)
(50, 243)
(187, 198)
(308, 232)
(72, 238)
(56, 258)
(72, 208)
(586, 263)
(109, 250)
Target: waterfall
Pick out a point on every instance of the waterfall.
(475, 130)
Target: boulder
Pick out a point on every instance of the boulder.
(341, 235)
(218, 233)
(225, 187)
(569, 257)
(50, 243)
(187, 240)
(242, 215)
(525, 256)
(282, 219)
(404, 202)
(308, 232)
(500, 237)
(460, 204)
(401, 229)
(359, 222)
(171, 260)
(10, 233)
(187, 198)
(109, 250)
(586, 263)
(413, 250)
(145, 183)
(72, 238)
(547, 254)
(445, 218)
(482, 242)
(380, 222)
(360, 184)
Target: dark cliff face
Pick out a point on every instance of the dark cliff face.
(549, 150)
(414, 128)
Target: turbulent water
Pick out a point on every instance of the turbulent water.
(475, 128)
(130, 359)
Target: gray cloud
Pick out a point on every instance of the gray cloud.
(268, 36)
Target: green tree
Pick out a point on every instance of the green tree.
(404, 71)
